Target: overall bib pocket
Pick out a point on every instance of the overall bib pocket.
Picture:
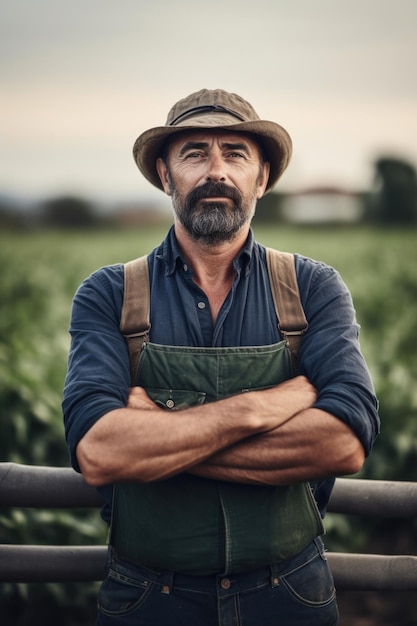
(176, 399)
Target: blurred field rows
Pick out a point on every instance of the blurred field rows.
(39, 274)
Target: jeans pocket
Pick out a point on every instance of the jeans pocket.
(121, 595)
(312, 583)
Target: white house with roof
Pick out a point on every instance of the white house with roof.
(322, 205)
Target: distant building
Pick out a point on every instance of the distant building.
(133, 215)
(322, 205)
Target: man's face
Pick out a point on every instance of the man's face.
(215, 179)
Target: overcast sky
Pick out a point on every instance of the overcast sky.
(82, 79)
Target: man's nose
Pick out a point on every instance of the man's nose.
(215, 169)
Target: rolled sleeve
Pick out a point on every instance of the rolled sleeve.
(97, 378)
(330, 354)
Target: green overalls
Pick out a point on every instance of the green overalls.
(202, 526)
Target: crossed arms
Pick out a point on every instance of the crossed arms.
(274, 436)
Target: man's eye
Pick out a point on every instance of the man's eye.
(236, 155)
(193, 155)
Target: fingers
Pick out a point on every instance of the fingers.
(138, 399)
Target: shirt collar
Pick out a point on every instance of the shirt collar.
(170, 253)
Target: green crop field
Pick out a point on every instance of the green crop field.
(39, 272)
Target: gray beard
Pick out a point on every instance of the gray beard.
(213, 224)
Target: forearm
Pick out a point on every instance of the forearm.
(143, 442)
(312, 445)
(144, 445)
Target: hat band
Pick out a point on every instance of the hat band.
(207, 108)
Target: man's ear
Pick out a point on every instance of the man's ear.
(263, 180)
(162, 170)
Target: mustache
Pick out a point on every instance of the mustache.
(210, 189)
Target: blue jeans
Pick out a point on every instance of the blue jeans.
(297, 592)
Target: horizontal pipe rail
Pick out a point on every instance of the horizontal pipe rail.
(370, 572)
(381, 498)
(51, 487)
(45, 487)
(373, 572)
(62, 487)
(45, 564)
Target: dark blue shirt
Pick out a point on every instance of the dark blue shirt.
(98, 377)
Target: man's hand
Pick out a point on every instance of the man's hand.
(288, 398)
(138, 399)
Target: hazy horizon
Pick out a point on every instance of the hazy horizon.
(82, 81)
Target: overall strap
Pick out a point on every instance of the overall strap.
(292, 322)
(135, 318)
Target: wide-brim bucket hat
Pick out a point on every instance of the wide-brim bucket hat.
(211, 109)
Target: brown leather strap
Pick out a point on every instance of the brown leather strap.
(135, 318)
(292, 322)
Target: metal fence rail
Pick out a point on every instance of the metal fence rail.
(45, 487)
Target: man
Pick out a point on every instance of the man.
(217, 506)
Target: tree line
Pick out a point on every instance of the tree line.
(392, 201)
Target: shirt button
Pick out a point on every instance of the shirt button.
(225, 583)
(201, 305)
(185, 267)
(170, 404)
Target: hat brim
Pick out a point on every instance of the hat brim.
(273, 138)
